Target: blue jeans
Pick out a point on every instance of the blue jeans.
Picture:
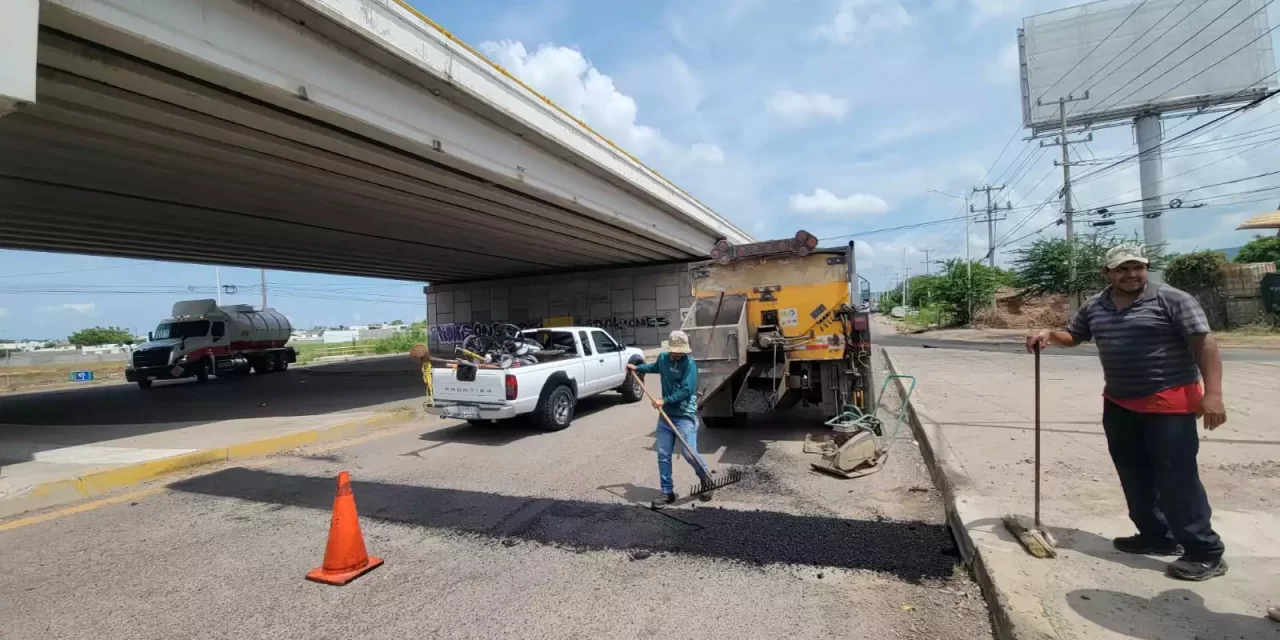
(667, 443)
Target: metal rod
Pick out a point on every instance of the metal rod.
(1037, 516)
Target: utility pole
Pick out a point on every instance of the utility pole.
(927, 270)
(263, 272)
(991, 220)
(1068, 211)
(217, 278)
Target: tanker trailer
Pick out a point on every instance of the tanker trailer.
(201, 339)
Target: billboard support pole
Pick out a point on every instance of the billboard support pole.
(1068, 212)
(1151, 174)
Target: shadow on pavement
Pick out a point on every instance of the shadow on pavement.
(497, 434)
(911, 551)
(1176, 613)
(1086, 542)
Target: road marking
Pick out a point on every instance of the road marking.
(80, 508)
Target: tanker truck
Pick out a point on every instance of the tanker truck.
(201, 339)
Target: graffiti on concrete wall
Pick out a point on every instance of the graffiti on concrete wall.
(622, 322)
(459, 331)
(455, 332)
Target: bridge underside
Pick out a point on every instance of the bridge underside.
(120, 156)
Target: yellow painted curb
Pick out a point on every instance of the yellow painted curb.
(93, 484)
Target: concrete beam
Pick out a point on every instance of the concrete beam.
(19, 32)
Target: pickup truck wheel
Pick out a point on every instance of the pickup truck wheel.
(556, 411)
(144, 384)
(631, 390)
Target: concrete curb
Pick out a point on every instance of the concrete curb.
(89, 485)
(1009, 621)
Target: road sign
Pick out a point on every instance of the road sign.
(80, 376)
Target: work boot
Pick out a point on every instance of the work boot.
(1147, 547)
(1185, 568)
(663, 502)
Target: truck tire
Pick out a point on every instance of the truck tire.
(631, 390)
(202, 373)
(144, 384)
(555, 411)
(282, 363)
(262, 365)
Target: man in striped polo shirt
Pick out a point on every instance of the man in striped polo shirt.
(1155, 347)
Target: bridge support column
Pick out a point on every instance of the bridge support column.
(19, 28)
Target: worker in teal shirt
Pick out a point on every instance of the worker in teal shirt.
(679, 374)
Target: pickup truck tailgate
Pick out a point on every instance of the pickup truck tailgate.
(488, 387)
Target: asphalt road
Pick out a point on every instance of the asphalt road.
(502, 531)
(300, 391)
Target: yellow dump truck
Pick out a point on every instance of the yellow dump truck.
(778, 324)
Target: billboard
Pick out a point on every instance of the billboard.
(1136, 57)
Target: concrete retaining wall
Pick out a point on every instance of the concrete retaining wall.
(639, 306)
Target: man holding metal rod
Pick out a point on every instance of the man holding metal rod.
(679, 400)
(1155, 347)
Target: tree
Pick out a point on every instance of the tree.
(1260, 249)
(920, 289)
(396, 323)
(100, 335)
(962, 287)
(1044, 266)
(1195, 270)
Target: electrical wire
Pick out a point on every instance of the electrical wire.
(1262, 9)
(1131, 44)
(1095, 48)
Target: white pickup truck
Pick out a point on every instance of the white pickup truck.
(593, 362)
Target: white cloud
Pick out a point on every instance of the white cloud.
(859, 20)
(1004, 68)
(82, 308)
(986, 9)
(827, 203)
(804, 108)
(570, 80)
(4, 313)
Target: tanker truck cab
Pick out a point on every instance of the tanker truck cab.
(201, 339)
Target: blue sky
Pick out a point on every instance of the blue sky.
(835, 116)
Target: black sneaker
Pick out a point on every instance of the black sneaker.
(1147, 547)
(663, 502)
(1185, 568)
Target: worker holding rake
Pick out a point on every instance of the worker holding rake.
(680, 402)
(1155, 347)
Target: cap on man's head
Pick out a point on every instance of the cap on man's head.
(677, 342)
(1125, 253)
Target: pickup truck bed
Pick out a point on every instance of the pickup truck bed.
(548, 391)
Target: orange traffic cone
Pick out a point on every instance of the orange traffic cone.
(345, 558)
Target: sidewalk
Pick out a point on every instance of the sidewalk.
(40, 467)
(975, 412)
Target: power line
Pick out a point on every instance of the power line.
(1197, 52)
(1095, 48)
(1131, 44)
(1149, 45)
(900, 228)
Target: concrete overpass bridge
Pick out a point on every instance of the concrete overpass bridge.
(342, 136)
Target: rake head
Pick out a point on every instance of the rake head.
(718, 480)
